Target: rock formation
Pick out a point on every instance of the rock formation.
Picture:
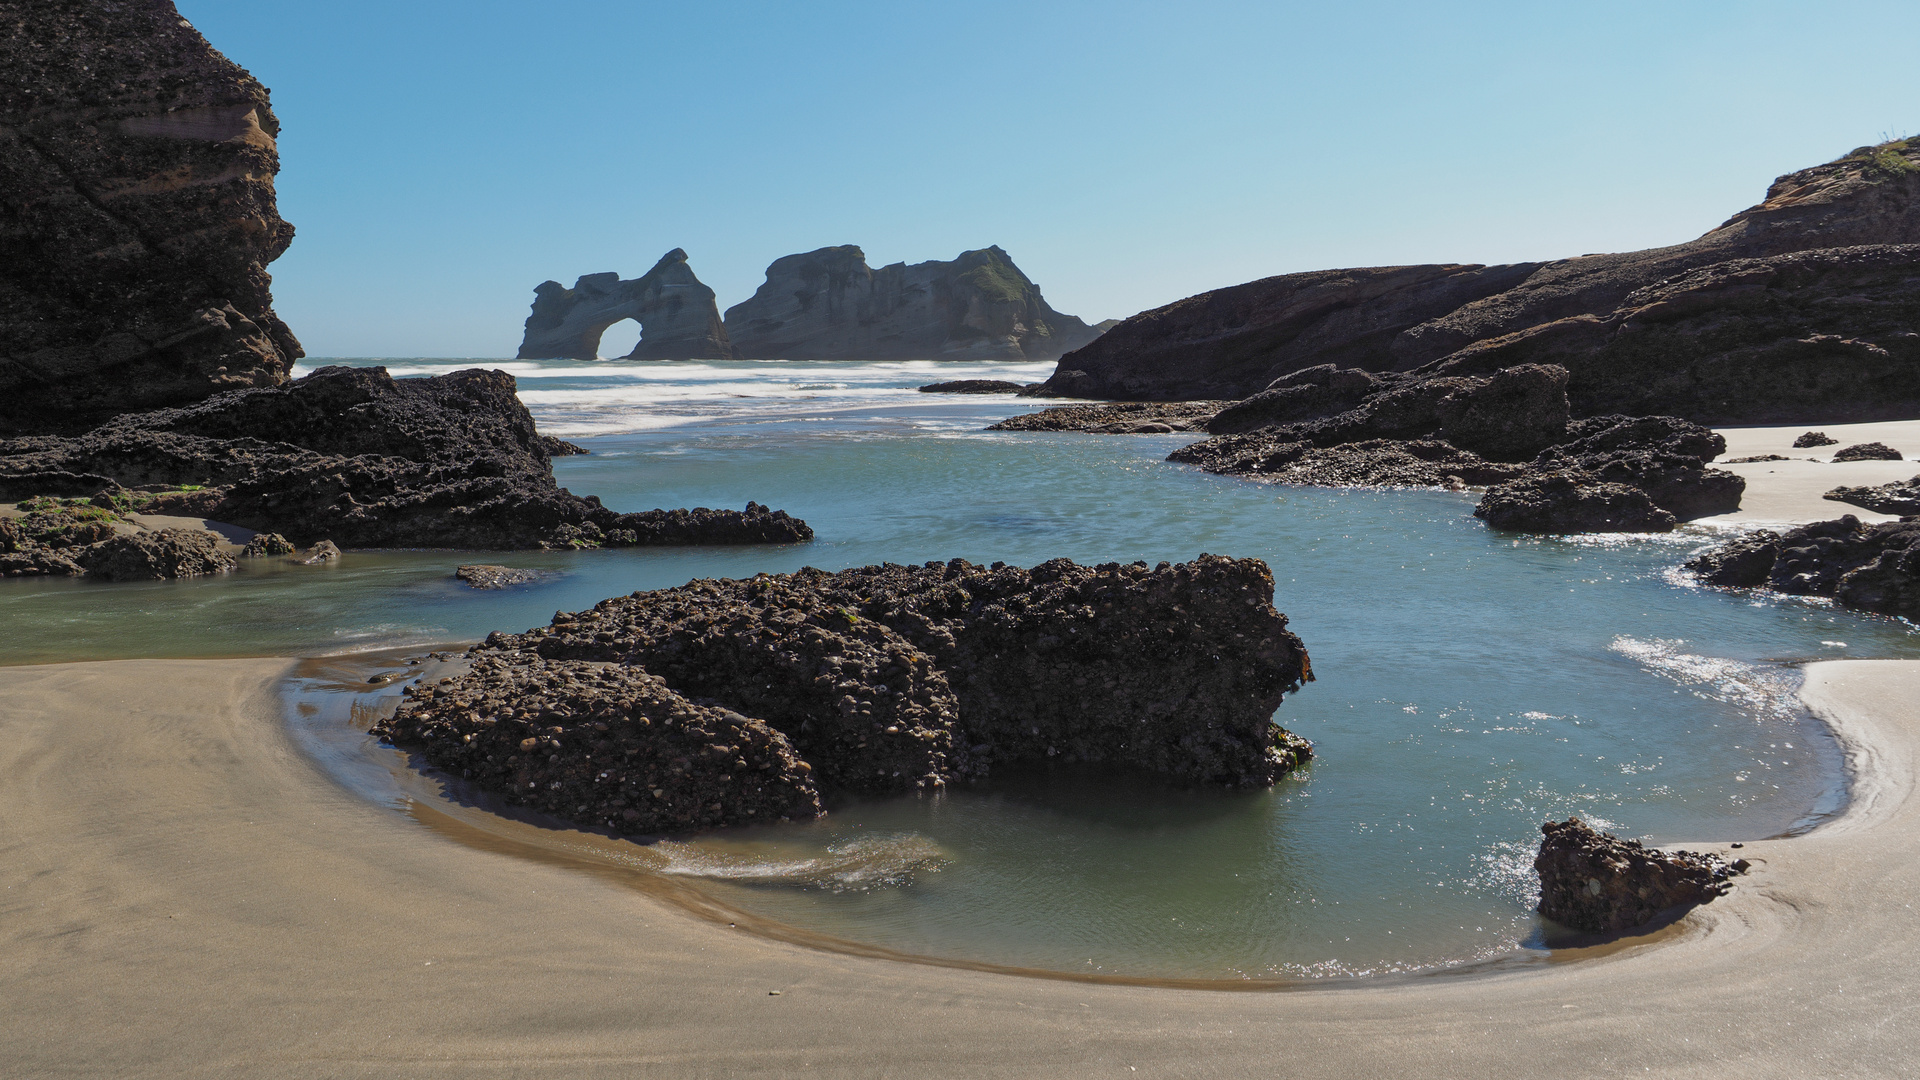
(1602, 884)
(1121, 418)
(1898, 497)
(1808, 440)
(678, 317)
(973, 386)
(1871, 451)
(364, 459)
(879, 679)
(138, 216)
(1870, 567)
(69, 538)
(830, 305)
(1796, 308)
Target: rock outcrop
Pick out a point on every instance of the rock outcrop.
(1122, 418)
(879, 679)
(1602, 884)
(973, 386)
(56, 538)
(137, 213)
(364, 459)
(829, 304)
(1871, 451)
(1796, 308)
(678, 317)
(1808, 440)
(1898, 497)
(1870, 567)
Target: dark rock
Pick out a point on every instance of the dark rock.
(1125, 418)
(890, 678)
(1269, 455)
(153, 556)
(357, 456)
(1663, 455)
(1313, 393)
(1870, 567)
(264, 545)
(605, 745)
(561, 447)
(1754, 458)
(973, 386)
(488, 576)
(829, 304)
(1799, 307)
(1570, 502)
(1899, 497)
(323, 552)
(1872, 451)
(137, 213)
(678, 317)
(1812, 439)
(1602, 884)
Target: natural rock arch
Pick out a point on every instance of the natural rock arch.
(678, 317)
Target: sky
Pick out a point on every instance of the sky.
(440, 158)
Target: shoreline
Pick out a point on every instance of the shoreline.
(186, 894)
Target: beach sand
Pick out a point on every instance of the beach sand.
(1789, 492)
(185, 894)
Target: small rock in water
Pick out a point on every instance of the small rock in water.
(324, 551)
(265, 544)
(490, 576)
(1813, 438)
(1599, 883)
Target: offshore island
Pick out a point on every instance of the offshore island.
(151, 429)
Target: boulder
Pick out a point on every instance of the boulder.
(1898, 497)
(828, 304)
(1869, 567)
(1664, 456)
(265, 545)
(153, 556)
(678, 317)
(1872, 451)
(139, 216)
(1570, 502)
(974, 386)
(1813, 438)
(605, 745)
(1601, 884)
(325, 551)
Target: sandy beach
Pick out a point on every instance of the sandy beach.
(1789, 492)
(186, 894)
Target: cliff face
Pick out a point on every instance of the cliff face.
(138, 216)
(830, 305)
(1731, 290)
(678, 317)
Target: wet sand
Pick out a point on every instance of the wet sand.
(1789, 492)
(186, 895)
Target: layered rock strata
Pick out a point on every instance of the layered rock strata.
(137, 216)
(828, 304)
(1898, 497)
(1601, 884)
(1797, 308)
(894, 678)
(678, 316)
(356, 456)
(1869, 567)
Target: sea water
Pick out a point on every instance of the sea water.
(1472, 684)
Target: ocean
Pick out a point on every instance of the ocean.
(1471, 684)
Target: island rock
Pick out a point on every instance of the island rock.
(678, 317)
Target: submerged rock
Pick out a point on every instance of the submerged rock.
(1898, 497)
(325, 551)
(894, 678)
(1602, 884)
(1872, 451)
(1870, 567)
(1812, 439)
(973, 386)
(490, 576)
(1124, 418)
(606, 745)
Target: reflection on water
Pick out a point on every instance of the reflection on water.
(1471, 685)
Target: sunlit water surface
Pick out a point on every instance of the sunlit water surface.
(1471, 684)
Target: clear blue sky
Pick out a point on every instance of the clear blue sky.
(442, 157)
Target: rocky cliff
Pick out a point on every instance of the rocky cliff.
(138, 216)
(678, 317)
(1797, 308)
(830, 305)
